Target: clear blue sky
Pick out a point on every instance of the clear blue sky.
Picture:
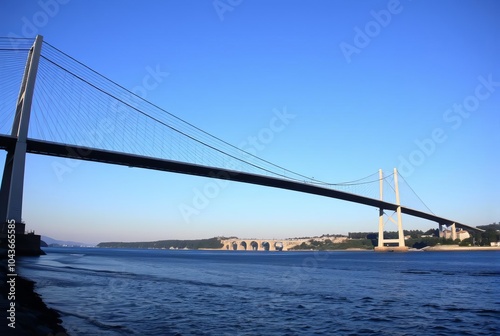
(366, 81)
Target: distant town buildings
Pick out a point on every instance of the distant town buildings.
(448, 234)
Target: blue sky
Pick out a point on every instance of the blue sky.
(371, 84)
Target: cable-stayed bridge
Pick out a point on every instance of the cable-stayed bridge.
(66, 109)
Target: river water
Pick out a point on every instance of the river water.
(176, 292)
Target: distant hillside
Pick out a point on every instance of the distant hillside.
(213, 243)
(66, 243)
(493, 226)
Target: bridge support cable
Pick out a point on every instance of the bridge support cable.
(76, 105)
(110, 101)
(414, 193)
(12, 66)
(131, 100)
(77, 110)
(11, 190)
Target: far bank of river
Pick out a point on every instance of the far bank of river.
(462, 248)
(438, 248)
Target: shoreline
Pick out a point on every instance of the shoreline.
(454, 248)
(435, 248)
(439, 248)
(32, 316)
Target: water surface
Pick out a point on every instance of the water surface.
(164, 292)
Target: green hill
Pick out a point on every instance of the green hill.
(212, 243)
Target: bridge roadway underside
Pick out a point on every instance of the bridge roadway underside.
(138, 161)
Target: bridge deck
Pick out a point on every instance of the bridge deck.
(131, 160)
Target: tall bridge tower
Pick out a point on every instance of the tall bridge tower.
(11, 190)
(388, 244)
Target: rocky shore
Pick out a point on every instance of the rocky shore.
(32, 316)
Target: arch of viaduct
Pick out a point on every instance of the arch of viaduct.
(260, 244)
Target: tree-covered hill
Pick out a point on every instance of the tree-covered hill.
(212, 243)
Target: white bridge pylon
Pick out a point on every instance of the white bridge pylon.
(385, 244)
(11, 189)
